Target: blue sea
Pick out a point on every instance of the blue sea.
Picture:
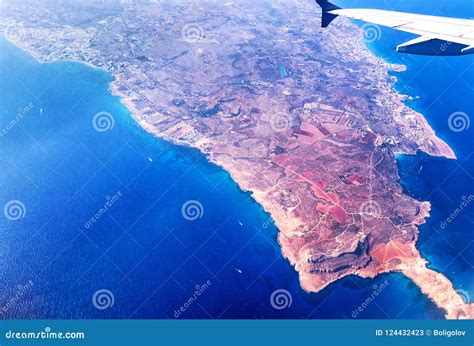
(93, 222)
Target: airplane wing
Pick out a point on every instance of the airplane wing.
(437, 35)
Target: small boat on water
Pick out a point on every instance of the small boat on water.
(238, 270)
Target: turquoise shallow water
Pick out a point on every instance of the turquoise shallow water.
(142, 250)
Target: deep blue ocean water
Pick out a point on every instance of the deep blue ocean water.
(142, 250)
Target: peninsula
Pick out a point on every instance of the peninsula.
(305, 119)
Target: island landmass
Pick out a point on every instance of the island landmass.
(305, 119)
